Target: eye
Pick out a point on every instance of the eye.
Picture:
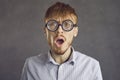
(67, 25)
(52, 25)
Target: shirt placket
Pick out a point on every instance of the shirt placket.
(60, 73)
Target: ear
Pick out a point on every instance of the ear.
(75, 31)
(44, 29)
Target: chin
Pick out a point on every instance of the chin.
(60, 51)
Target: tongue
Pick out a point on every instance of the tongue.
(60, 41)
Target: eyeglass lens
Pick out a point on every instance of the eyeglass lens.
(66, 25)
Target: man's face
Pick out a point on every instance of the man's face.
(60, 40)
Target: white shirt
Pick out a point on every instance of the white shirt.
(78, 67)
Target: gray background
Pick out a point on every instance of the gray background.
(21, 34)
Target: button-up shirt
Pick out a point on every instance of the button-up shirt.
(78, 67)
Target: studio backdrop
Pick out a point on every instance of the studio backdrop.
(22, 35)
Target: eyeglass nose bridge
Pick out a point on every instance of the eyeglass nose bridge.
(60, 25)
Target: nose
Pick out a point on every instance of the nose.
(60, 30)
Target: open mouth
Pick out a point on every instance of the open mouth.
(59, 41)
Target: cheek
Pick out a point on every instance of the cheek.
(70, 38)
(50, 37)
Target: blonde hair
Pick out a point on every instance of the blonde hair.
(62, 10)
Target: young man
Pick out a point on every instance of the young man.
(62, 62)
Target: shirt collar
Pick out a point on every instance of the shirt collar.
(50, 59)
(71, 60)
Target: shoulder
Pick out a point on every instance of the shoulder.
(35, 60)
(83, 58)
(88, 65)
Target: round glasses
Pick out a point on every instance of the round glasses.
(53, 25)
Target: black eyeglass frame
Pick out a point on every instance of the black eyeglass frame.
(73, 25)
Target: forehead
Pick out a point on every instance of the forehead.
(60, 19)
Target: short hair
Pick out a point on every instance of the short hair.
(60, 9)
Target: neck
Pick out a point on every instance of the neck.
(62, 58)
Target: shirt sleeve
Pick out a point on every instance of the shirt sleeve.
(26, 72)
(98, 73)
